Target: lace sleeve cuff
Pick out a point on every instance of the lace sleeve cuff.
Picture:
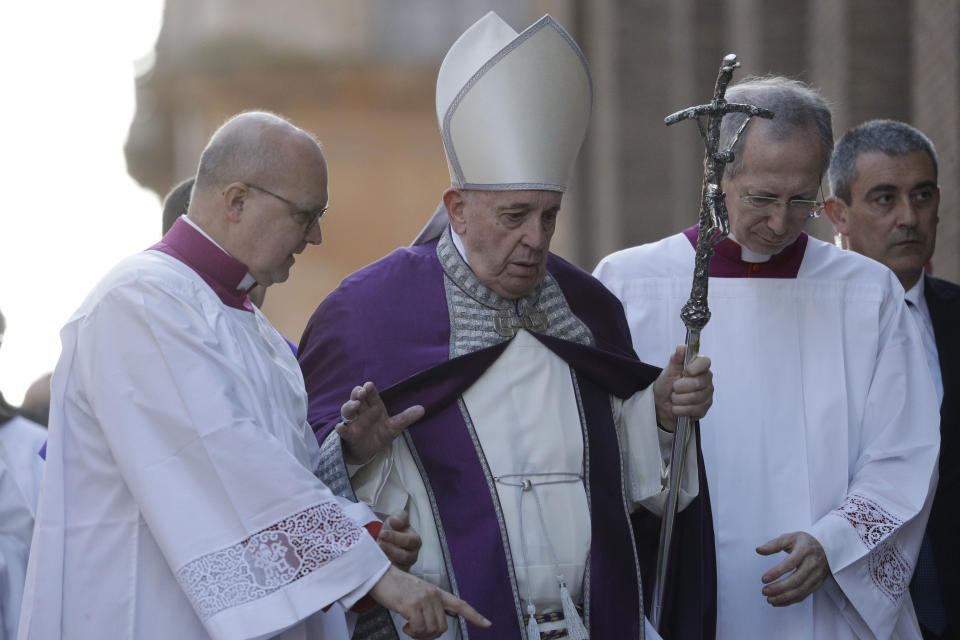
(269, 559)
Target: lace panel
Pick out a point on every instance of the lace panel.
(268, 559)
(887, 565)
(872, 522)
(889, 569)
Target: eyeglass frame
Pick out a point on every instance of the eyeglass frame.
(312, 215)
(816, 206)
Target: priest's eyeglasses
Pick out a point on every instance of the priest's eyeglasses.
(796, 207)
(307, 217)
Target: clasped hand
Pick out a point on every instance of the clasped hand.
(683, 391)
(399, 541)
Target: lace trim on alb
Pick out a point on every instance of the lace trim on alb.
(872, 522)
(888, 567)
(268, 560)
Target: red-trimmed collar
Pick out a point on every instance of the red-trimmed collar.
(727, 261)
(218, 269)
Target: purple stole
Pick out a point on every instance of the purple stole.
(405, 352)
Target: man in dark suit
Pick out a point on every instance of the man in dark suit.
(883, 176)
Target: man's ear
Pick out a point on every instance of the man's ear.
(836, 210)
(234, 197)
(454, 202)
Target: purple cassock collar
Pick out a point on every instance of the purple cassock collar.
(728, 263)
(217, 268)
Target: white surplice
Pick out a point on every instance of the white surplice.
(19, 440)
(21, 470)
(20, 443)
(525, 414)
(179, 499)
(824, 420)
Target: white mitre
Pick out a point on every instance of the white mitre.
(513, 108)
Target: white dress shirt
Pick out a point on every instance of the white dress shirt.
(917, 303)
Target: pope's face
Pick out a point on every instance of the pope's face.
(785, 169)
(892, 215)
(506, 235)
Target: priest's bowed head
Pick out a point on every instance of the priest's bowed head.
(773, 184)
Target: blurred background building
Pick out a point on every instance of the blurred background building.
(361, 73)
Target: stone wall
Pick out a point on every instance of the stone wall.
(361, 75)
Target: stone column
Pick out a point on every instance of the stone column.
(602, 152)
(935, 110)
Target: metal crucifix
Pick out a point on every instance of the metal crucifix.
(714, 227)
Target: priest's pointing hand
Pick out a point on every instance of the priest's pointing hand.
(683, 391)
(366, 429)
(423, 605)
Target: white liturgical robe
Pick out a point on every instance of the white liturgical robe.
(21, 470)
(525, 414)
(179, 497)
(824, 420)
(20, 444)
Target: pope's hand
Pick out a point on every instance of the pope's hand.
(423, 605)
(366, 429)
(680, 391)
(399, 540)
(807, 562)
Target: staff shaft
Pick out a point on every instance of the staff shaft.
(714, 227)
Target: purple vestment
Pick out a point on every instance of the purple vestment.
(390, 323)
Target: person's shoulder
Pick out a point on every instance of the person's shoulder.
(944, 289)
(25, 431)
(563, 268)
(377, 306)
(390, 282)
(591, 301)
(395, 268)
(147, 277)
(655, 259)
(824, 260)
(656, 253)
(577, 282)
